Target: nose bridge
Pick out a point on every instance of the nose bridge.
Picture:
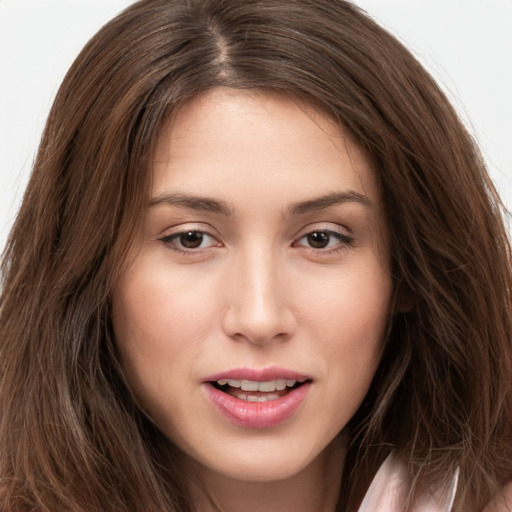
(257, 304)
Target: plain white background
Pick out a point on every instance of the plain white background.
(466, 45)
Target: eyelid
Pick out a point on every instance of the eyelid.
(182, 229)
(344, 238)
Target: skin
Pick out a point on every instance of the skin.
(502, 502)
(255, 293)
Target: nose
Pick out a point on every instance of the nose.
(258, 300)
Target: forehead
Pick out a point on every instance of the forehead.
(260, 137)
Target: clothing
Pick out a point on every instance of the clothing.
(388, 491)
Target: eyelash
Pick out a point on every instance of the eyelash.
(170, 241)
(342, 239)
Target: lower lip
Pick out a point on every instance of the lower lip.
(257, 414)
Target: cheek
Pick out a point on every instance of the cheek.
(156, 308)
(353, 307)
(350, 319)
(159, 323)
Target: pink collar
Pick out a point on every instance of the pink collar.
(388, 491)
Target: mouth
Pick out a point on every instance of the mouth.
(258, 391)
(258, 399)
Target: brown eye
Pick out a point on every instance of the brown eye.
(191, 239)
(324, 239)
(318, 239)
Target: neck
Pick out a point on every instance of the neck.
(316, 487)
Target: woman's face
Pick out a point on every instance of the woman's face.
(251, 319)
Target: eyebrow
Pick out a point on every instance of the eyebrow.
(220, 207)
(205, 204)
(323, 202)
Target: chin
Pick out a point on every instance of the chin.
(267, 459)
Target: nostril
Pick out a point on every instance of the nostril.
(259, 327)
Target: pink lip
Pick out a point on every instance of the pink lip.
(260, 375)
(257, 415)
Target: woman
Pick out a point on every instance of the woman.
(259, 265)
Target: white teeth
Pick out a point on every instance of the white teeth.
(266, 387)
(250, 385)
(231, 382)
(256, 398)
(280, 384)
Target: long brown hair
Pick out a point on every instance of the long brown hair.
(71, 437)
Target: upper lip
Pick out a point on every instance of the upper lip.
(258, 374)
